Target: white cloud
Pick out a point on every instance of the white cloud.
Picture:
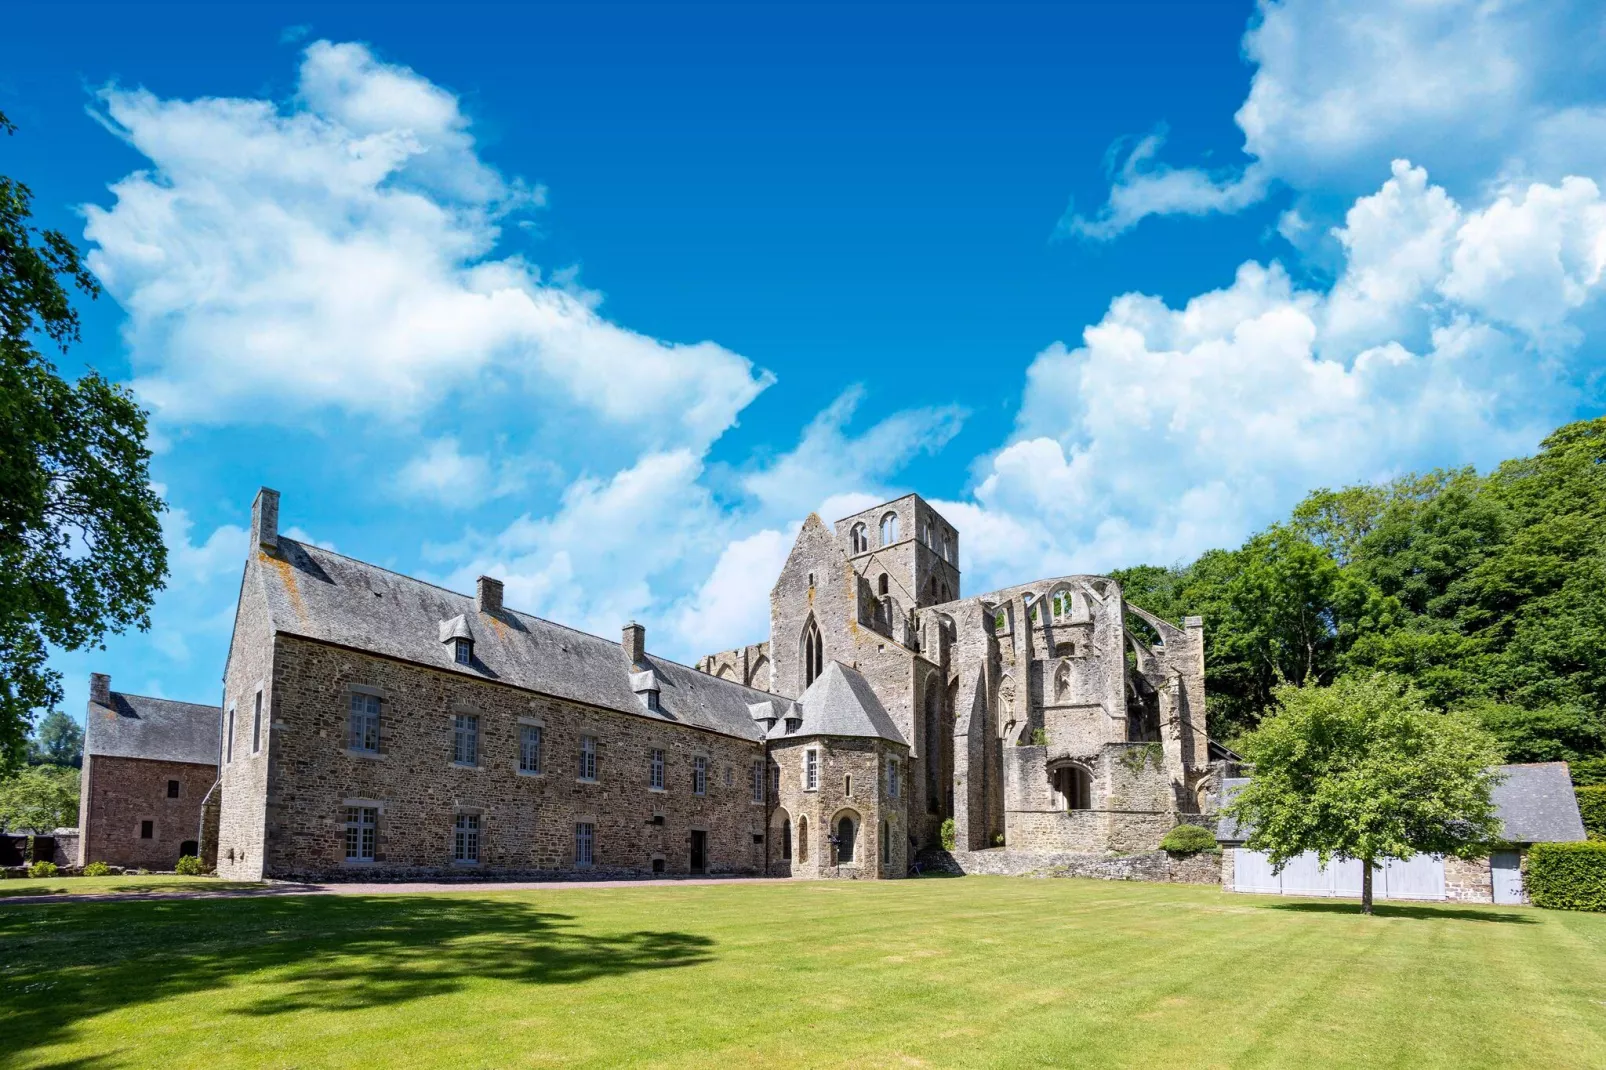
(1170, 430)
(732, 607)
(442, 473)
(1475, 90)
(828, 460)
(338, 251)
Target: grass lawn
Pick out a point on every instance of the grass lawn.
(961, 972)
(113, 885)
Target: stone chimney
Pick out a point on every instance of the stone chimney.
(100, 689)
(265, 519)
(488, 595)
(635, 644)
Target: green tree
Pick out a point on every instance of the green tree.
(39, 799)
(1364, 769)
(57, 740)
(81, 550)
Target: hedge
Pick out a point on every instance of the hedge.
(1568, 876)
(1189, 839)
(1588, 771)
(1592, 808)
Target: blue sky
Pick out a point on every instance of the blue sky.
(604, 300)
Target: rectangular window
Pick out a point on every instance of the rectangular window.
(465, 739)
(228, 739)
(463, 652)
(758, 782)
(657, 770)
(364, 734)
(730, 776)
(256, 725)
(147, 829)
(529, 748)
(775, 779)
(588, 757)
(466, 838)
(699, 776)
(811, 770)
(362, 823)
(585, 835)
(892, 777)
(172, 789)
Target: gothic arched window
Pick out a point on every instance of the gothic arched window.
(860, 538)
(844, 839)
(889, 529)
(813, 653)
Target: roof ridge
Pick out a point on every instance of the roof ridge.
(159, 698)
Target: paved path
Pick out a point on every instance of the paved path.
(281, 888)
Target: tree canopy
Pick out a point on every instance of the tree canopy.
(1363, 769)
(57, 740)
(41, 798)
(1487, 592)
(81, 550)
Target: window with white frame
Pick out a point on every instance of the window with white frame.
(465, 739)
(256, 724)
(466, 838)
(657, 781)
(889, 529)
(463, 651)
(811, 770)
(699, 776)
(585, 839)
(529, 748)
(892, 778)
(362, 829)
(364, 733)
(758, 782)
(588, 757)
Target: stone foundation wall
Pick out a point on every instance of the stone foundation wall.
(1157, 866)
(1468, 880)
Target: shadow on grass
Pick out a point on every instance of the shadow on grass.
(72, 961)
(1402, 910)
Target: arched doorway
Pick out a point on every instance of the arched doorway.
(847, 834)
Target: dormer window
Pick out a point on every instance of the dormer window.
(459, 639)
(463, 651)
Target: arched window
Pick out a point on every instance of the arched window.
(1060, 605)
(786, 839)
(925, 533)
(947, 548)
(802, 839)
(881, 584)
(844, 840)
(813, 653)
(860, 537)
(1062, 681)
(1074, 787)
(889, 529)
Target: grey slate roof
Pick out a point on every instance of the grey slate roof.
(840, 703)
(1535, 804)
(318, 594)
(135, 726)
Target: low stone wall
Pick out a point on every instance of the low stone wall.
(1157, 866)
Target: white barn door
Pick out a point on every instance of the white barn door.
(1422, 877)
(1506, 868)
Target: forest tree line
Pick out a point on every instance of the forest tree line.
(1487, 592)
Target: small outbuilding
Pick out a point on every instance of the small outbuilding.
(1535, 803)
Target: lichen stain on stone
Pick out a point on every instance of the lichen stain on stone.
(287, 575)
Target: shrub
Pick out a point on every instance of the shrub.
(42, 869)
(1588, 771)
(189, 866)
(1592, 808)
(1568, 876)
(948, 834)
(1189, 839)
(97, 869)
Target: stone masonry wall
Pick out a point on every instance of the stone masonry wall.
(244, 808)
(122, 793)
(863, 760)
(1468, 880)
(527, 821)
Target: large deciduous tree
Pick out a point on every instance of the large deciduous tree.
(41, 798)
(1365, 770)
(81, 550)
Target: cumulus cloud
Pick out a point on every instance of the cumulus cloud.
(1450, 333)
(732, 606)
(1474, 90)
(444, 474)
(338, 251)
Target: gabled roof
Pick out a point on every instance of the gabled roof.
(318, 594)
(135, 726)
(840, 703)
(1535, 804)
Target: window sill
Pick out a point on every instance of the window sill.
(658, 791)
(463, 765)
(466, 865)
(372, 755)
(586, 780)
(536, 773)
(359, 862)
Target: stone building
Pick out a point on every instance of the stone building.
(375, 725)
(149, 766)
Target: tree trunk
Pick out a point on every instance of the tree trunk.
(1366, 886)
